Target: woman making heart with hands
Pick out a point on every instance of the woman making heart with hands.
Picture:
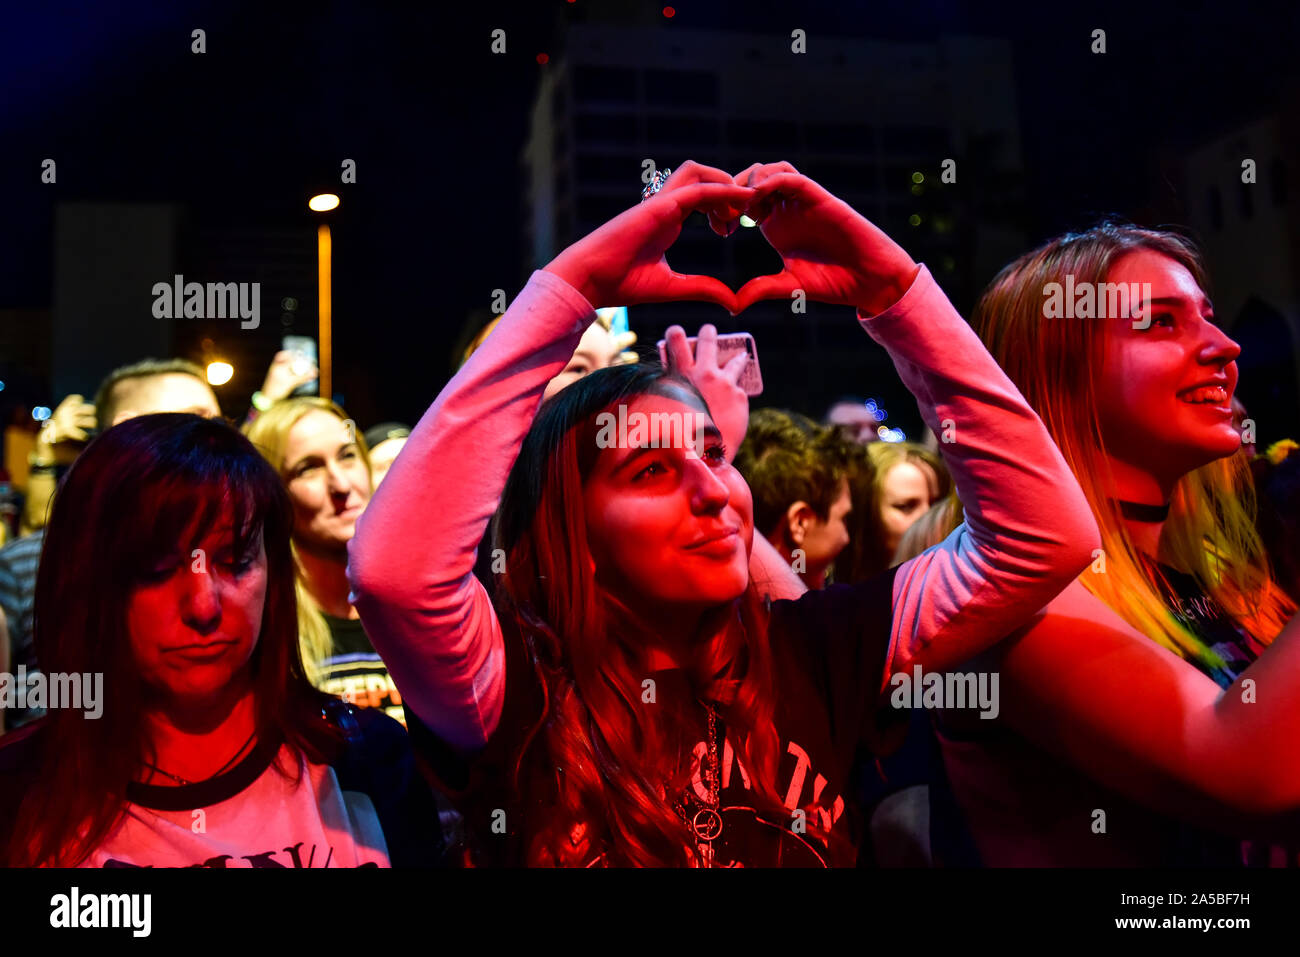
(626, 696)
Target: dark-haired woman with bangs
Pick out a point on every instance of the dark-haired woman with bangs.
(626, 696)
(166, 570)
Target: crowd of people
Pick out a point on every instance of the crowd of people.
(499, 638)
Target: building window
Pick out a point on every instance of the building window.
(597, 170)
(839, 137)
(764, 134)
(616, 129)
(599, 84)
(676, 130)
(928, 140)
(693, 89)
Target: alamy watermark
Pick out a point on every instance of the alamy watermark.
(78, 690)
(1098, 300)
(655, 430)
(179, 299)
(948, 691)
(130, 911)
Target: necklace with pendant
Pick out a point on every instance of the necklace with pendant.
(706, 823)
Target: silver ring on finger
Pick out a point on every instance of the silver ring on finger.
(656, 184)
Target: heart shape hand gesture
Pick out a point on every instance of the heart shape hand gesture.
(828, 250)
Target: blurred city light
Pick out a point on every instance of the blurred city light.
(219, 373)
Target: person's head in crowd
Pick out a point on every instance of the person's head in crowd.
(154, 385)
(797, 471)
(1277, 477)
(598, 348)
(191, 616)
(620, 560)
(385, 441)
(865, 555)
(909, 479)
(325, 466)
(1139, 404)
(938, 522)
(855, 419)
(477, 327)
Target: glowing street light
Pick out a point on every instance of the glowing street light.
(323, 203)
(219, 373)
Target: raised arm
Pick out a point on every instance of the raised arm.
(729, 406)
(1143, 721)
(411, 562)
(1028, 529)
(412, 559)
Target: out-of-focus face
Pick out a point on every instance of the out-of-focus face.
(824, 540)
(668, 527)
(381, 458)
(856, 417)
(596, 350)
(1165, 392)
(195, 619)
(169, 392)
(907, 492)
(327, 479)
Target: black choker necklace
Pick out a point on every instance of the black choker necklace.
(1137, 512)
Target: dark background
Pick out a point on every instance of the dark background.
(236, 139)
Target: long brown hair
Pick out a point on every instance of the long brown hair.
(616, 768)
(1055, 363)
(127, 501)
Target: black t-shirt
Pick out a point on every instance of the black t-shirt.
(829, 651)
(1205, 618)
(355, 672)
(1238, 648)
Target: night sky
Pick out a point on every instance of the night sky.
(242, 134)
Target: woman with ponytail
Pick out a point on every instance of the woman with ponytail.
(1150, 715)
(623, 693)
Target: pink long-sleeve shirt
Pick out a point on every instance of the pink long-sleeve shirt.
(1028, 529)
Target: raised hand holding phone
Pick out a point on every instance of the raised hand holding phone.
(720, 385)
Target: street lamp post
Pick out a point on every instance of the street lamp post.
(324, 256)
